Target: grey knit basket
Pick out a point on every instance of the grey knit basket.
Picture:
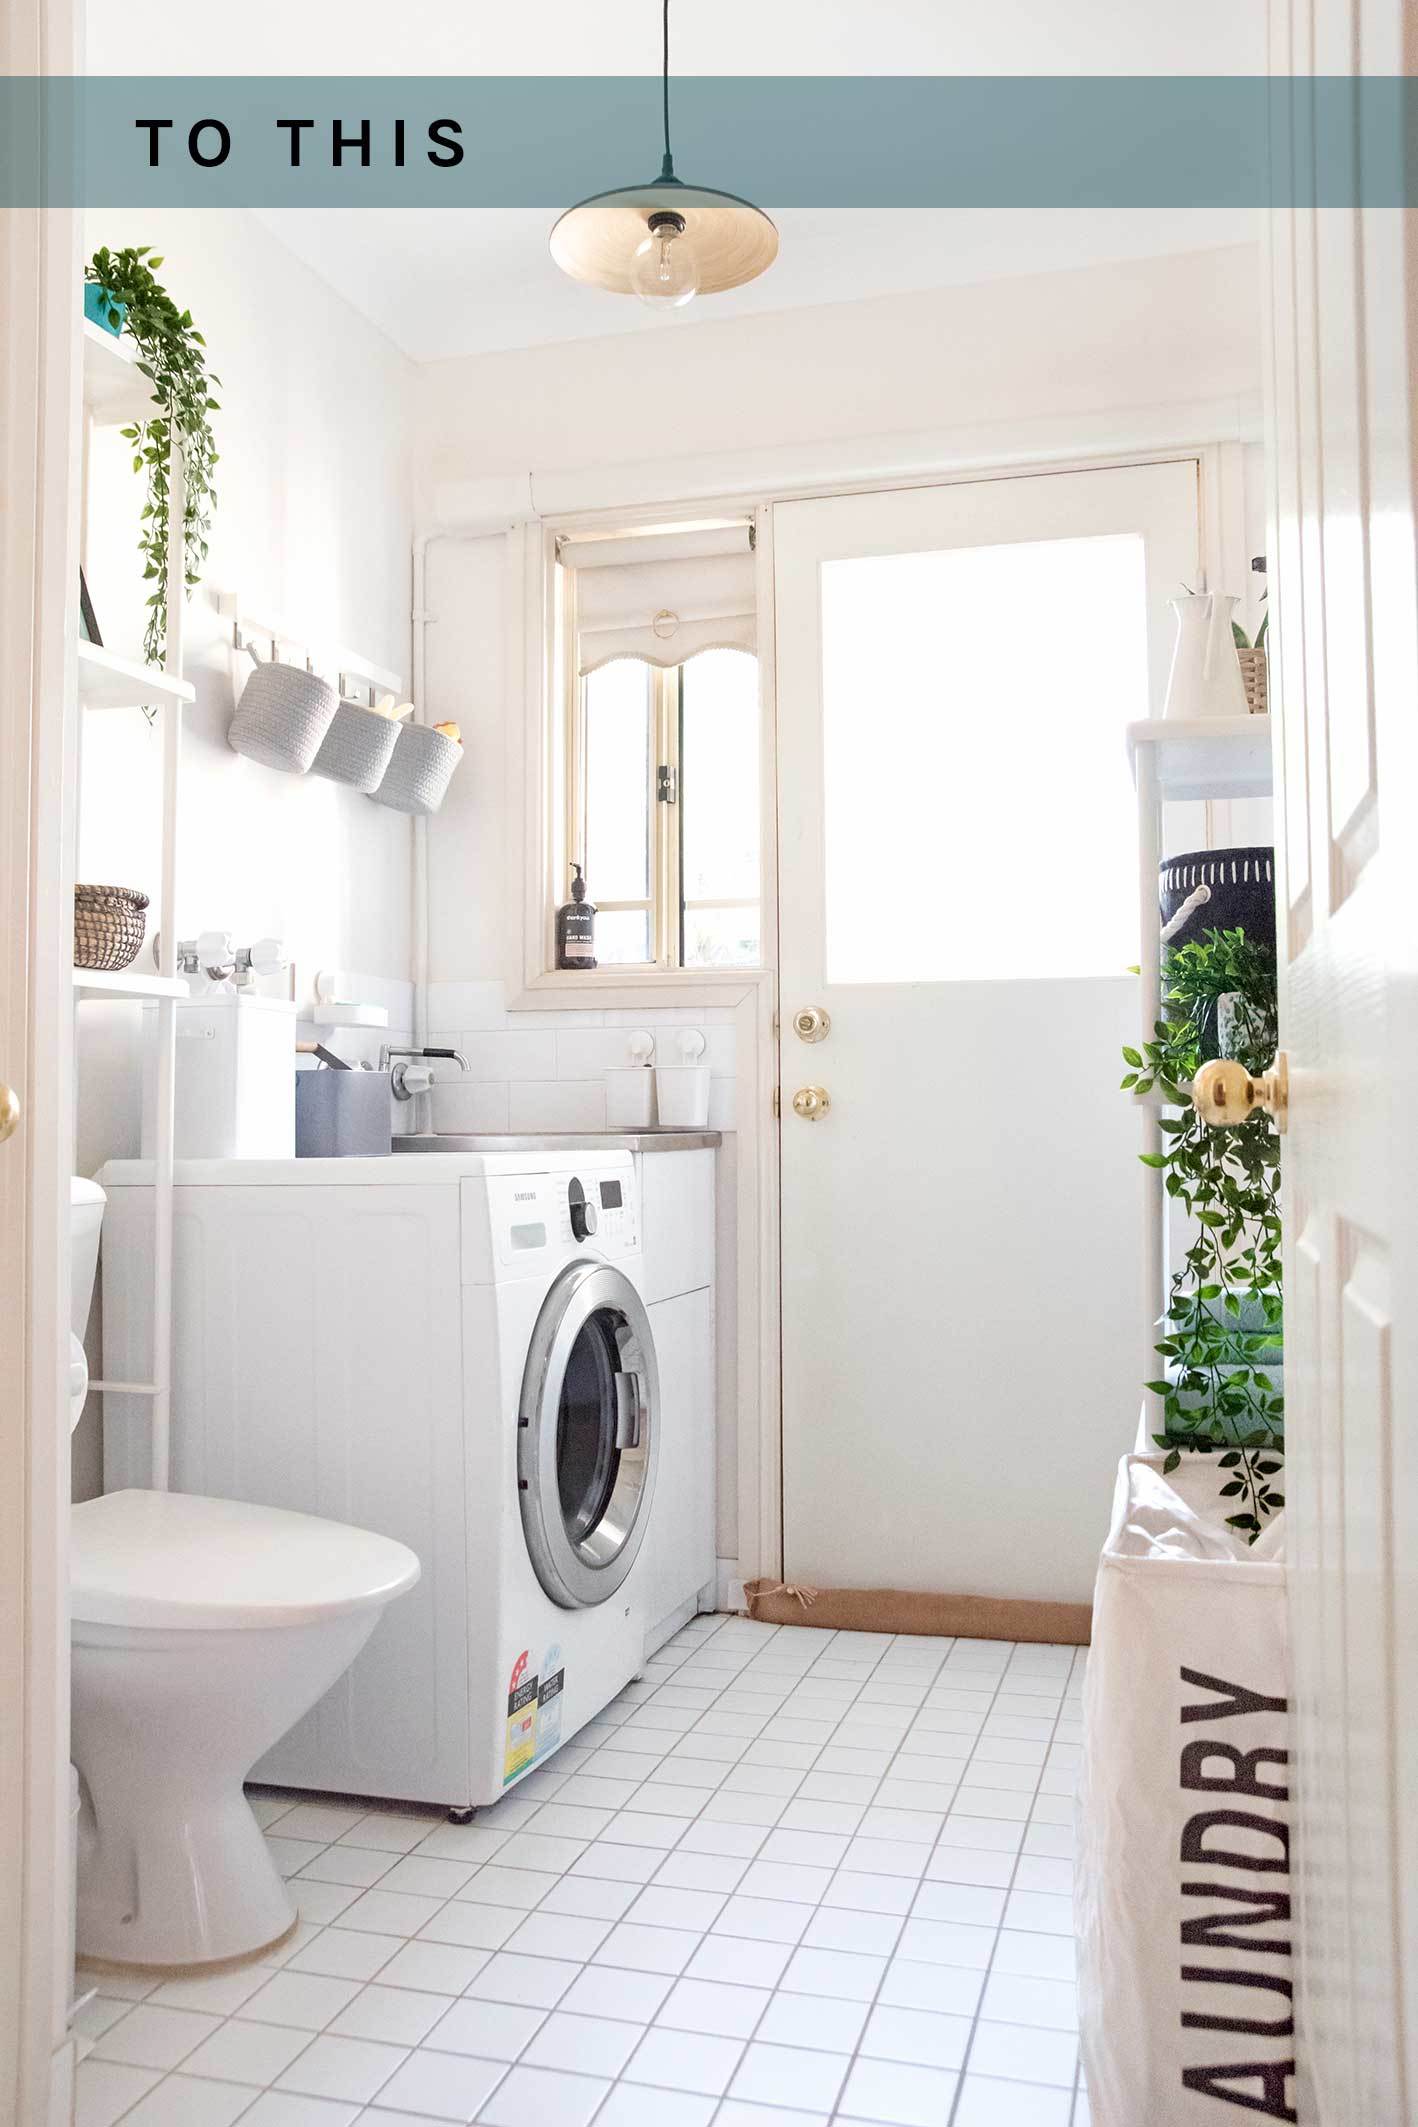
(282, 717)
(356, 748)
(420, 770)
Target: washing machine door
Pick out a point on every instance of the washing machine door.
(587, 1434)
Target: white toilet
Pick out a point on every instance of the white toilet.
(202, 1630)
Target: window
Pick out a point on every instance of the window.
(979, 817)
(663, 798)
(661, 741)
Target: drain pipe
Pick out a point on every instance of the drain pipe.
(420, 882)
(515, 498)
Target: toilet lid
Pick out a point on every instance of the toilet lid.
(173, 1559)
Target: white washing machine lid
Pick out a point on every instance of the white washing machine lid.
(179, 1561)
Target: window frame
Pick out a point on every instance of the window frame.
(665, 905)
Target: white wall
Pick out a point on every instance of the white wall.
(313, 527)
(1103, 339)
(1110, 339)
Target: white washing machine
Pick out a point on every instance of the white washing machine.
(452, 1349)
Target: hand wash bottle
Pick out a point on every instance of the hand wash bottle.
(576, 927)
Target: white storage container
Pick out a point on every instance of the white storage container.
(235, 1095)
(682, 1096)
(630, 1099)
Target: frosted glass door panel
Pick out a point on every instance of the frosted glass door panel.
(979, 820)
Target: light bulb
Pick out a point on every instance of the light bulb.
(664, 271)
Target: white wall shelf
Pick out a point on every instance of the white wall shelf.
(1207, 757)
(99, 982)
(115, 389)
(109, 682)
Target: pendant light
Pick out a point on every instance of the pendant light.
(666, 241)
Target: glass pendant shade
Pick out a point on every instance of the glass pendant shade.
(608, 241)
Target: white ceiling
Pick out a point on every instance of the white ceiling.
(454, 282)
(450, 37)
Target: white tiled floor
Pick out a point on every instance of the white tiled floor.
(793, 1876)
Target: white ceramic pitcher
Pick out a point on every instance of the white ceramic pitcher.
(1205, 679)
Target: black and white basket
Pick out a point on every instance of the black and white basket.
(1217, 890)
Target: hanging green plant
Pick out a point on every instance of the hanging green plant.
(172, 356)
(1221, 1389)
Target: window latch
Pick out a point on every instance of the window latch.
(667, 785)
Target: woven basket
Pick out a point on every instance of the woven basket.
(282, 717)
(1255, 680)
(419, 770)
(109, 922)
(356, 748)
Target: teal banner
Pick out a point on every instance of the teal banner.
(825, 141)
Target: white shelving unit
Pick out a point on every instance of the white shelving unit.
(117, 393)
(115, 389)
(97, 982)
(109, 682)
(1174, 760)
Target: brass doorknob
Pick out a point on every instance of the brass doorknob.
(9, 1112)
(811, 1103)
(1224, 1092)
(812, 1023)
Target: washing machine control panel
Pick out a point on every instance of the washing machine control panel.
(537, 1217)
(599, 1207)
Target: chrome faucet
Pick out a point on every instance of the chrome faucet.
(398, 1085)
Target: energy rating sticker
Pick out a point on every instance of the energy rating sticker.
(522, 1694)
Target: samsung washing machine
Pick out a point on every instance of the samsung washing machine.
(452, 1349)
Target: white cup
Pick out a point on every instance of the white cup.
(682, 1094)
(630, 1099)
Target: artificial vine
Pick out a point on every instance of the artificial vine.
(171, 355)
(1224, 1308)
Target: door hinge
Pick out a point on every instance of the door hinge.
(667, 785)
(777, 1100)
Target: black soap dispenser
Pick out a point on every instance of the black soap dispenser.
(576, 927)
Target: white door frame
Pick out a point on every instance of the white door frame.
(39, 428)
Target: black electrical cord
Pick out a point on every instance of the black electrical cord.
(665, 86)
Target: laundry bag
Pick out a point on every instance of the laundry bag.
(1184, 1896)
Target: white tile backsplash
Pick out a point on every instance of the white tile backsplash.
(506, 1055)
(548, 1067)
(482, 1105)
(557, 1104)
(588, 1053)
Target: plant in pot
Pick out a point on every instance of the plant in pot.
(172, 356)
(1220, 1387)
